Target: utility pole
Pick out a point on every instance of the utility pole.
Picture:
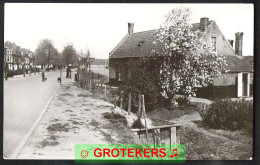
(60, 74)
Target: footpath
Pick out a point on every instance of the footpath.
(72, 117)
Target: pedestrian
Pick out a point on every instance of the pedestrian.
(43, 75)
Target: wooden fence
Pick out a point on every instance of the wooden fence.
(95, 83)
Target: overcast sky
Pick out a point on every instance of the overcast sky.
(99, 27)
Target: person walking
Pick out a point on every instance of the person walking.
(43, 75)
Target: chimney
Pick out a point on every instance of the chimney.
(231, 42)
(204, 23)
(239, 43)
(130, 28)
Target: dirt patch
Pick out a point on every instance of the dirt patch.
(54, 120)
(58, 127)
(68, 111)
(94, 123)
(45, 143)
(66, 94)
(53, 137)
(115, 118)
(83, 95)
(66, 87)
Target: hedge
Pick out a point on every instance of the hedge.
(230, 115)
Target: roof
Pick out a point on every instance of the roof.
(137, 45)
(196, 26)
(141, 44)
(238, 64)
(249, 59)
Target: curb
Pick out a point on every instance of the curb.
(29, 133)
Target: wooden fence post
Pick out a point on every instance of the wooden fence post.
(121, 100)
(114, 100)
(145, 118)
(129, 103)
(172, 136)
(139, 113)
(105, 90)
(157, 139)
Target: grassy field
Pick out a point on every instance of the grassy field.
(103, 71)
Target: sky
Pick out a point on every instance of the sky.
(99, 27)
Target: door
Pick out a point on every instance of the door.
(239, 84)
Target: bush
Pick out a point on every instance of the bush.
(115, 118)
(137, 124)
(231, 115)
(143, 81)
(11, 73)
(183, 100)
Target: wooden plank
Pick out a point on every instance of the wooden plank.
(157, 139)
(173, 135)
(155, 127)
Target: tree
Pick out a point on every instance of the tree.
(84, 59)
(140, 76)
(69, 55)
(185, 56)
(46, 53)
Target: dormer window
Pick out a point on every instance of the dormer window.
(214, 44)
(141, 43)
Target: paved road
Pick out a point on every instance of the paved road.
(24, 100)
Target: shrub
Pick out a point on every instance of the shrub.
(231, 115)
(183, 100)
(143, 81)
(137, 124)
(115, 118)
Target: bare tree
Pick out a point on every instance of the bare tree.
(84, 59)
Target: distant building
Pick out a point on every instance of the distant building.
(237, 82)
(17, 57)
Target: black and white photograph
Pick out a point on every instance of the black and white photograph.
(147, 73)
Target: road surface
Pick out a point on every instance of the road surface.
(24, 100)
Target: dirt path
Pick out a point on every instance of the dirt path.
(187, 121)
(73, 117)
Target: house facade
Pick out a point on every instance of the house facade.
(237, 82)
(17, 57)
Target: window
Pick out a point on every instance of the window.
(214, 44)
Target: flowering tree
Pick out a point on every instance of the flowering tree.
(186, 57)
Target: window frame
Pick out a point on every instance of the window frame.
(211, 43)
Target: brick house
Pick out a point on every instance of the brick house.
(237, 82)
(16, 57)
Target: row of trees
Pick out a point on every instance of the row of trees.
(47, 55)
